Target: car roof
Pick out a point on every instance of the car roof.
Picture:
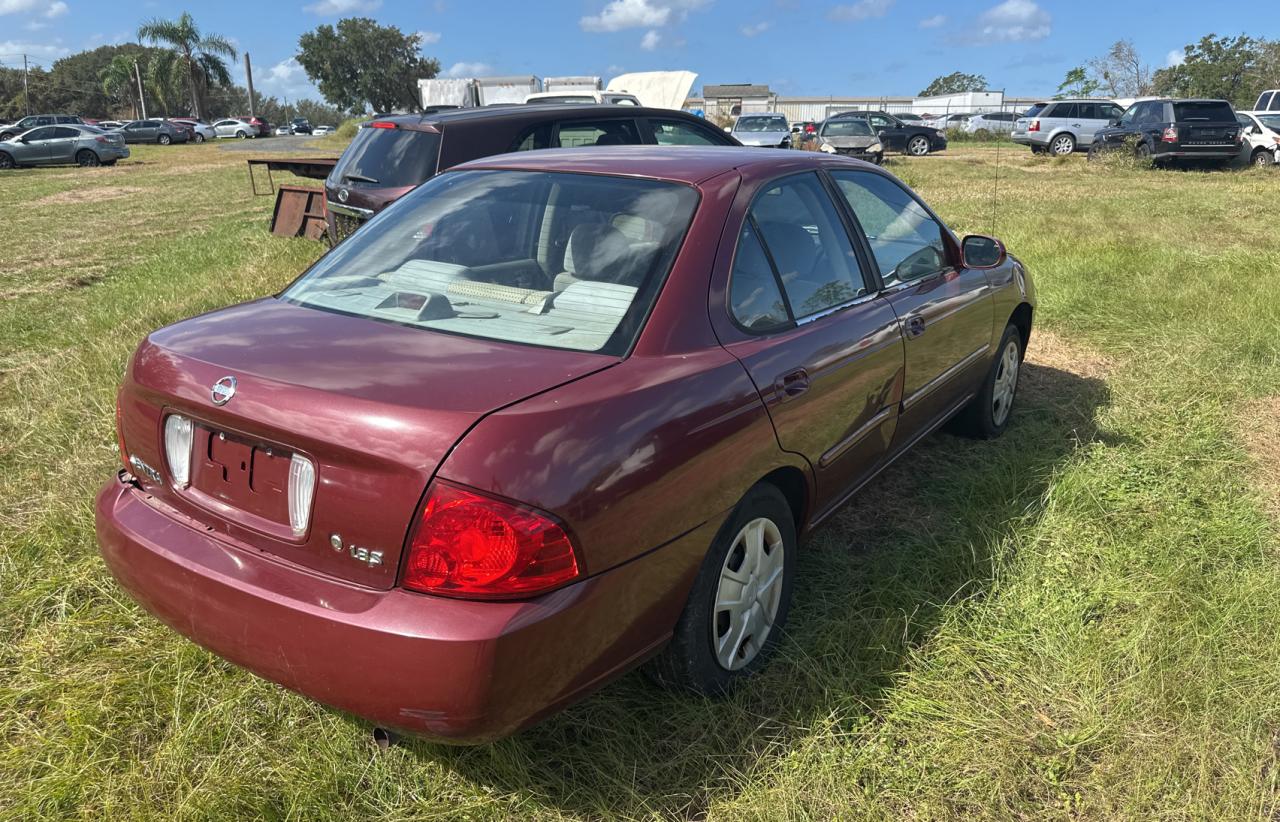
(522, 111)
(683, 164)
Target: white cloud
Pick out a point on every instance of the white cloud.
(476, 69)
(429, 37)
(17, 6)
(1013, 21)
(756, 28)
(1175, 57)
(625, 14)
(334, 8)
(861, 10)
(56, 9)
(285, 79)
(650, 40)
(38, 53)
(934, 22)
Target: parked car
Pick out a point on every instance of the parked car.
(283, 131)
(765, 130)
(908, 117)
(896, 135)
(200, 130)
(153, 131)
(322, 130)
(660, 376)
(27, 123)
(391, 155)
(63, 145)
(233, 127)
(1059, 127)
(110, 125)
(264, 128)
(1268, 101)
(589, 96)
(945, 121)
(1168, 131)
(300, 125)
(1261, 136)
(852, 137)
(996, 122)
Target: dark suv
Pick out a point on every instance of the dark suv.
(27, 123)
(1168, 131)
(391, 155)
(897, 135)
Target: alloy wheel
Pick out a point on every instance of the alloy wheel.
(88, 158)
(1063, 145)
(1006, 384)
(1262, 157)
(748, 594)
(918, 147)
(164, 139)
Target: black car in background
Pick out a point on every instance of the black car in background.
(300, 125)
(1168, 131)
(898, 135)
(390, 155)
(8, 132)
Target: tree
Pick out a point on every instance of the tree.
(118, 83)
(361, 65)
(955, 83)
(1230, 68)
(1120, 72)
(1077, 83)
(198, 56)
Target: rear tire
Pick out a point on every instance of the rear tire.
(6, 160)
(164, 139)
(726, 632)
(988, 414)
(1038, 149)
(241, 135)
(1062, 145)
(87, 158)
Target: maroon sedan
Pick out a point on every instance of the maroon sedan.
(548, 416)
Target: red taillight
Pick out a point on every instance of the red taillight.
(381, 124)
(124, 455)
(1170, 135)
(471, 545)
(101, 139)
(1035, 126)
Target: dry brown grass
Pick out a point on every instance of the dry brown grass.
(87, 195)
(1259, 424)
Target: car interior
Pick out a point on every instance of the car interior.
(547, 259)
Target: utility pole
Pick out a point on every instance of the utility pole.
(248, 76)
(142, 100)
(26, 94)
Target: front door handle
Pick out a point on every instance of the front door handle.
(792, 384)
(915, 325)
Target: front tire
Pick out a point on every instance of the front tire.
(1062, 145)
(987, 415)
(1038, 149)
(1262, 157)
(736, 611)
(87, 158)
(199, 138)
(918, 146)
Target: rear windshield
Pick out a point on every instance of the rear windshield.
(1271, 121)
(387, 157)
(1212, 111)
(1034, 110)
(846, 128)
(758, 124)
(552, 259)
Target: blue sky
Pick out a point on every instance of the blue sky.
(888, 47)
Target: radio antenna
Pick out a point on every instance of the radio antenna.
(995, 182)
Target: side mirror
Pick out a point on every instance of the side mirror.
(979, 251)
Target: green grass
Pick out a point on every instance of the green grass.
(1079, 620)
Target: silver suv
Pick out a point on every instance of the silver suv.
(1061, 126)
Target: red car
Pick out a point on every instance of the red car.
(550, 415)
(263, 127)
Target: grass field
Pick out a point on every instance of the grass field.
(1078, 621)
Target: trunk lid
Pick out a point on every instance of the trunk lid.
(375, 406)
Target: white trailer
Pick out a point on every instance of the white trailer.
(570, 84)
(511, 89)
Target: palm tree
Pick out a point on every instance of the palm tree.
(199, 56)
(117, 81)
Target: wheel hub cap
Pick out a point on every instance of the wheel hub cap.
(1006, 383)
(748, 595)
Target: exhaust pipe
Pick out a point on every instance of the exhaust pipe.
(385, 739)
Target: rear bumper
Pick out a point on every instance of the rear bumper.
(448, 669)
(1194, 153)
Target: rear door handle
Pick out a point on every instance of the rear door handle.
(915, 325)
(792, 384)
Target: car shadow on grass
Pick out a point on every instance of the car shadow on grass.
(874, 583)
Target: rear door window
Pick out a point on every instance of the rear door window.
(578, 133)
(755, 297)
(388, 158)
(63, 133)
(808, 245)
(533, 137)
(1066, 111)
